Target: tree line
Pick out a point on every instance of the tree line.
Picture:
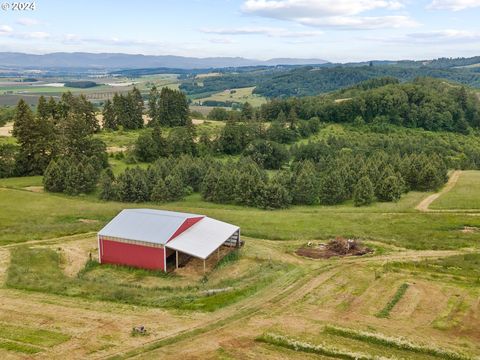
(425, 103)
(56, 141)
(330, 181)
(283, 82)
(165, 108)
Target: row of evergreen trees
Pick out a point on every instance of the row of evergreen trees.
(363, 179)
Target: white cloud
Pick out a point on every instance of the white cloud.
(454, 5)
(444, 36)
(437, 37)
(331, 13)
(223, 41)
(36, 35)
(74, 39)
(28, 22)
(361, 22)
(5, 30)
(260, 30)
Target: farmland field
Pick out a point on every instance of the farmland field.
(276, 298)
(12, 91)
(240, 95)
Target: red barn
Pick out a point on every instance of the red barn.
(150, 239)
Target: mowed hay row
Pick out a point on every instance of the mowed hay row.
(341, 289)
(29, 341)
(337, 347)
(397, 343)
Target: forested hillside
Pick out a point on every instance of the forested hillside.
(425, 103)
(309, 80)
(370, 142)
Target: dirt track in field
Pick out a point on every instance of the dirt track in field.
(425, 203)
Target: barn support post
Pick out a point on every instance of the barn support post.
(176, 259)
(204, 267)
(218, 253)
(99, 250)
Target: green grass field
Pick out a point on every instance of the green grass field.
(240, 95)
(465, 195)
(44, 215)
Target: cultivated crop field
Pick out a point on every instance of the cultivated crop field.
(12, 90)
(415, 297)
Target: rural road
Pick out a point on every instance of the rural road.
(425, 203)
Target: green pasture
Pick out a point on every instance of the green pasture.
(26, 215)
(465, 194)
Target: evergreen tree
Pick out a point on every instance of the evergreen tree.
(389, 189)
(108, 189)
(159, 192)
(292, 119)
(332, 188)
(43, 112)
(146, 148)
(275, 196)
(54, 176)
(137, 106)
(109, 117)
(8, 154)
(74, 178)
(363, 194)
(175, 187)
(281, 118)
(36, 138)
(305, 187)
(160, 142)
(153, 112)
(247, 112)
(52, 109)
(429, 178)
(267, 154)
(173, 108)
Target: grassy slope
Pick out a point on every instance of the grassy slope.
(28, 216)
(465, 194)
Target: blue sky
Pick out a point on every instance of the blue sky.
(335, 30)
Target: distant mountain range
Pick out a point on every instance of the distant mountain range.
(113, 61)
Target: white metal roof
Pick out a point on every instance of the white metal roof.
(203, 238)
(152, 226)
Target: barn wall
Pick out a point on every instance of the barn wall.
(114, 252)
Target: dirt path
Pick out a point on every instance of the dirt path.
(6, 130)
(425, 203)
(76, 254)
(4, 263)
(51, 241)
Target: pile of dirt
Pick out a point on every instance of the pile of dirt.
(336, 247)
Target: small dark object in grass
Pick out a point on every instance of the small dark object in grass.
(139, 331)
